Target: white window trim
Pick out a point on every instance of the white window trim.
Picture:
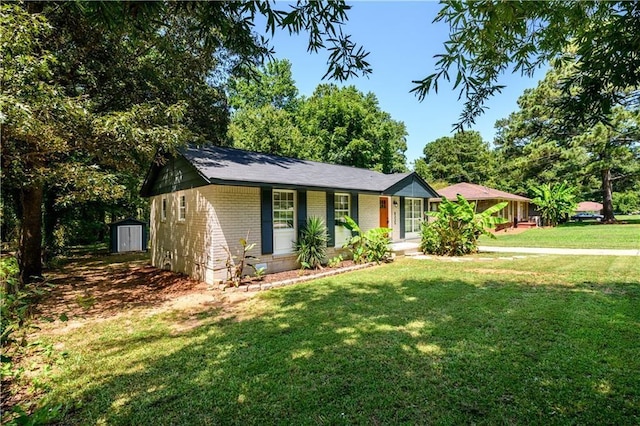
(413, 234)
(164, 207)
(295, 225)
(340, 243)
(182, 210)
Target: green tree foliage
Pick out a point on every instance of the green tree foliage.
(92, 90)
(540, 143)
(335, 125)
(456, 227)
(345, 126)
(487, 39)
(554, 201)
(264, 119)
(268, 129)
(626, 202)
(463, 157)
(271, 85)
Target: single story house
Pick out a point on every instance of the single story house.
(589, 207)
(485, 197)
(205, 199)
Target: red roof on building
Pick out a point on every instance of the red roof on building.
(589, 206)
(472, 191)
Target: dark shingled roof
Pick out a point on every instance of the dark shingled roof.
(221, 165)
(230, 165)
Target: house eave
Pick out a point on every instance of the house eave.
(264, 184)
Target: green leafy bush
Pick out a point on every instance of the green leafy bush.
(457, 226)
(554, 202)
(334, 262)
(626, 202)
(370, 246)
(311, 246)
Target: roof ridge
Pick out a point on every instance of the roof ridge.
(194, 146)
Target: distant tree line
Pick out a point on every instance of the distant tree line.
(541, 143)
(339, 125)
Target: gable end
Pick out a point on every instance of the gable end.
(412, 186)
(175, 175)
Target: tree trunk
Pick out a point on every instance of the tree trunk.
(30, 251)
(607, 198)
(50, 221)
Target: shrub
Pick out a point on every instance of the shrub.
(311, 246)
(457, 226)
(370, 246)
(626, 202)
(554, 202)
(235, 264)
(334, 262)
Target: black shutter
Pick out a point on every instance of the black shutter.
(302, 210)
(331, 220)
(354, 207)
(266, 220)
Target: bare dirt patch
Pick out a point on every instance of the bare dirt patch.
(94, 288)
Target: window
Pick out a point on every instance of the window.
(412, 216)
(283, 211)
(284, 225)
(182, 212)
(163, 209)
(341, 206)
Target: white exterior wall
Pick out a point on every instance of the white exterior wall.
(317, 204)
(219, 216)
(394, 219)
(216, 217)
(368, 211)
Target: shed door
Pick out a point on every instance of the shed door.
(129, 238)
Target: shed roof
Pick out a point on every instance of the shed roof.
(472, 191)
(127, 221)
(231, 166)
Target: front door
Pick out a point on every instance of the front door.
(384, 212)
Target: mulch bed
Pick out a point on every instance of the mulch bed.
(297, 273)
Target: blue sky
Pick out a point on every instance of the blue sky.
(402, 41)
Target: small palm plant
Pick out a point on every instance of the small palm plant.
(312, 243)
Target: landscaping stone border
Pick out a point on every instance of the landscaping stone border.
(291, 281)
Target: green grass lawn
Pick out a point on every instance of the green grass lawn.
(573, 235)
(537, 340)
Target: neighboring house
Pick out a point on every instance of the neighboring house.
(589, 207)
(208, 198)
(485, 197)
